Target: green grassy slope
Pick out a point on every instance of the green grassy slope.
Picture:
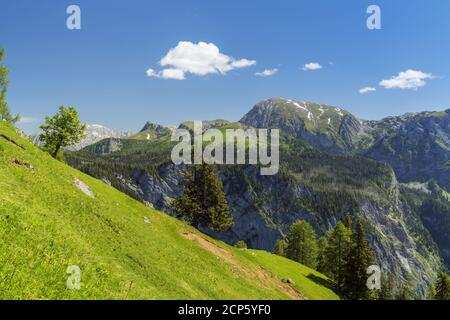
(47, 224)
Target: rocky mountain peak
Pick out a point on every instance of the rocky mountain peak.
(326, 127)
(160, 129)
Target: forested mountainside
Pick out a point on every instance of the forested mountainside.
(326, 172)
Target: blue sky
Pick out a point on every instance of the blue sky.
(101, 69)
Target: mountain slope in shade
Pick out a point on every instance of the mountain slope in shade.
(416, 145)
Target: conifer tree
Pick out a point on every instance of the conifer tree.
(339, 244)
(442, 287)
(322, 244)
(5, 114)
(387, 287)
(302, 244)
(280, 248)
(203, 202)
(358, 260)
(407, 291)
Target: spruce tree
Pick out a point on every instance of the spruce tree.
(387, 287)
(339, 244)
(5, 114)
(322, 244)
(442, 287)
(203, 202)
(280, 248)
(302, 244)
(359, 258)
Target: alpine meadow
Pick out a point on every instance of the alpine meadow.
(209, 159)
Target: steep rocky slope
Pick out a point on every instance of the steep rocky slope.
(325, 127)
(417, 146)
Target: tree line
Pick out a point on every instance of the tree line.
(344, 255)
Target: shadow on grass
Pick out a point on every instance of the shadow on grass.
(324, 282)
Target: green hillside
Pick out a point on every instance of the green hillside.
(47, 223)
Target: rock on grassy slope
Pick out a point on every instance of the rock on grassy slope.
(124, 249)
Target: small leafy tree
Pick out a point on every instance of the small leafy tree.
(62, 130)
(442, 287)
(302, 244)
(203, 202)
(280, 248)
(5, 114)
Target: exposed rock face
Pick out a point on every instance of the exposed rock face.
(160, 190)
(327, 128)
(159, 129)
(108, 146)
(417, 146)
(95, 133)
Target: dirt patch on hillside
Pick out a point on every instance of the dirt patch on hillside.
(23, 163)
(265, 278)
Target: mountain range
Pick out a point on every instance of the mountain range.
(93, 134)
(393, 173)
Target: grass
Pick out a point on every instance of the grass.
(48, 224)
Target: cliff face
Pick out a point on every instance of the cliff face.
(417, 146)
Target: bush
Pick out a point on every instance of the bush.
(241, 244)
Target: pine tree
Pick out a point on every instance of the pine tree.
(339, 244)
(322, 245)
(302, 244)
(5, 114)
(280, 248)
(442, 287)
(358, 260)
(203, 202)
(387, 287)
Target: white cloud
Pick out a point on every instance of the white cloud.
(243, 63)
(196, 58)
(266, 73)
(171, 73)
(367, 90)
(26, 120)
(312, 66)
(409, 79)
(151, 73)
